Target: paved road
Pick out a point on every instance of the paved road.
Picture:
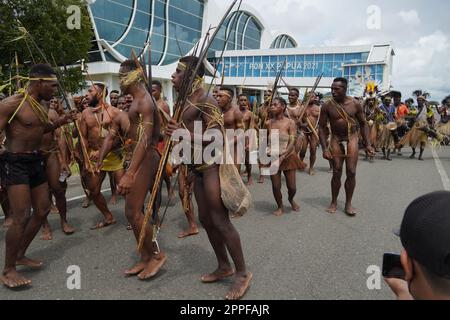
(307, 255)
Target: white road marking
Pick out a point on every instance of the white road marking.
(441, 170)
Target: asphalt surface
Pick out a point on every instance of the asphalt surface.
(307, 255)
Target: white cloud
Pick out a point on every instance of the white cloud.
(424, 65)
(417, 30)
(410, 17)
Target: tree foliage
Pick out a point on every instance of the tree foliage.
(46, 22)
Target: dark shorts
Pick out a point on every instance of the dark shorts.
(22, 168)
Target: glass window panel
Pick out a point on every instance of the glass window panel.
(248, 66)
(364, 57)
(273, 67)
(144, 6)
(142, 21)
(317, 69)
(318, 58)
(194, 7)
(265, 66)
(160, 8)
(379, 69)
(379, 78)
(328, 69)
(339, 57)
(328, 58)
(300, 62)
(241, 66)
(309, 57)
(257, 67)
(128, 3)
(290, 66)
(337, 69)
(109, 31)
(185, 19)
(233, 66)
(309, 71)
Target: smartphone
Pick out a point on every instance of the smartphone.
(392, 267)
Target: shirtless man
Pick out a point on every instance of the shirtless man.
(215, 91)
(94, 125)
(144, 133)
(212, 212)
(294, 111)
(22, 168)
(233, 120)
(114, 98)
(263, 116)
(249, 123)
(3, 194)
(164, 118)
(310, 126)
(288, 158)
(56, 153)
(343, 113)
(121, 103)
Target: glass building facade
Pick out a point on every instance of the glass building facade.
(242, 31)
(172, 27)
(283, 41)
(301, 66)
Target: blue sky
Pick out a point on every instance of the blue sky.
(419, 31)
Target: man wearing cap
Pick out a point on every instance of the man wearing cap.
(425, 237)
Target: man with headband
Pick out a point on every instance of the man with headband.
(144, 135)
(22, 169)
(213, 211)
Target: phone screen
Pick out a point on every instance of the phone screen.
(392, 267)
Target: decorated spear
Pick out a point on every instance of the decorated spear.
(180, 103)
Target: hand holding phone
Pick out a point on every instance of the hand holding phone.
(392, 266)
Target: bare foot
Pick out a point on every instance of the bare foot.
(86, 203)
(332, 209)
(188, 233)
(350, 211)
(135, 270)
(103, 224)
(153, 266)
(129, 227)
(8, 222)
(250, 181)
(294, 206)
(312, 172)
(12, 279)
(46, 234)
(261, 180)
(421, 159)
(54, 209)
(113, 200)
(27, 262)
(67, 229)
(217, 275)
(278, 212)
(239, 287)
